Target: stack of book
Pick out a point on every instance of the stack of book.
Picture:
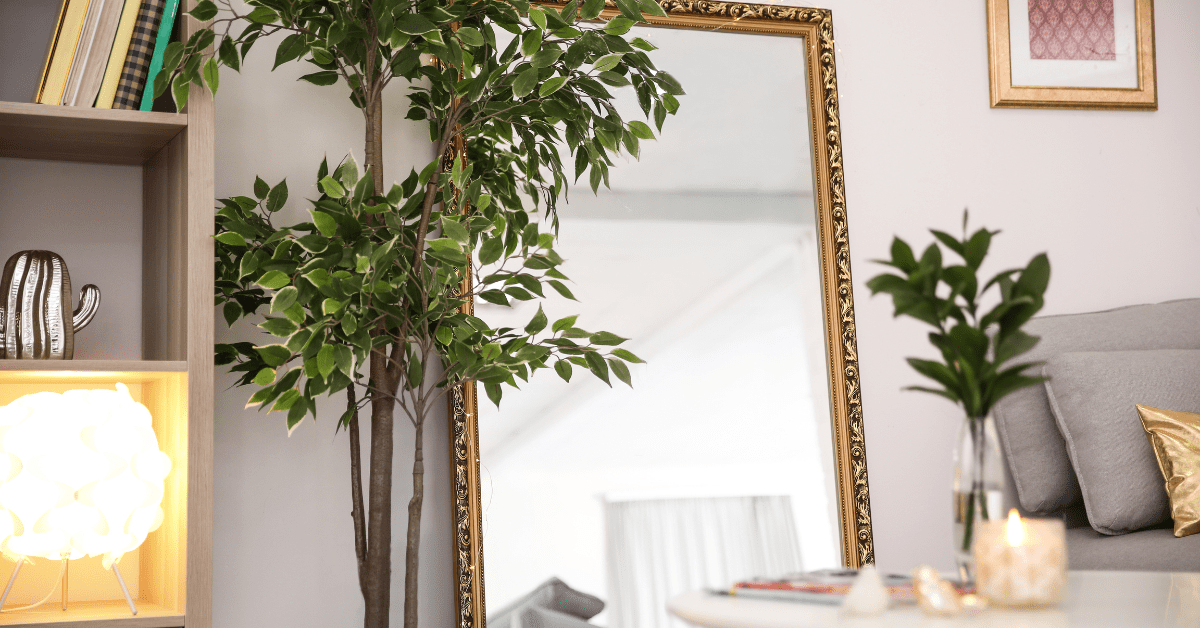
(106, 53)
(826, 586)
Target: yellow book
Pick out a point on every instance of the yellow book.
(64, 52)
(50, 50)
(116, 60)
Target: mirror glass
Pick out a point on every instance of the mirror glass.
(717, 465)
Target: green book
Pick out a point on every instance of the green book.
(160, 47)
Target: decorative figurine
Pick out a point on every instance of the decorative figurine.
(36, 319)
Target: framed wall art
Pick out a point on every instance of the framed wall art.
(1072, 54)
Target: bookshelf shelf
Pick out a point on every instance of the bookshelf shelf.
(109, 136)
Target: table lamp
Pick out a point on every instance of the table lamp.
(81, 475)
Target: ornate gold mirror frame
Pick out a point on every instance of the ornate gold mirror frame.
(850, 456)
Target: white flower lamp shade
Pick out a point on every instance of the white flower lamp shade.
(81, 474)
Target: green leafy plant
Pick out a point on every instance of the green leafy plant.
(975, 371)
(367, 297)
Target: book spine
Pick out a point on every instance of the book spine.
(64, 52)
(116, 59)
(58, 25)
(81, 54)
(137, 60)
(160, 47)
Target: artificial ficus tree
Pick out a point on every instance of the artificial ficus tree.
(366, 298)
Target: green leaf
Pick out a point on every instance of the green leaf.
(204, 10)
(491, 250)
(651, 7)
(273, 280)
(281, 327)
(327, 77)
(545, 58)
(597, 366)
(564, 323)
(263, 15)
(325, 360)
(284, 299)
(537, 17)
(261, 189)
(274, 355)
(641, 130)
(230, 238)
(470, 36)
(525, 82)
(591, 9)
(607, 338)
(332, 188)
(454, 230)
(537, 323)
(902, 256)
(563, 368)
(608, 62)
(212, 74)
(277, 196)
(620, 369)
(414, 24)
(291, 48)
(493, 392)
(179, 89)
(325, 223)
(264, 377)
(330, 307)
(232, 312)
(627, 356)
(562, 289)
(444, 335)
(531, 43)
(551, 85)
(976, 248)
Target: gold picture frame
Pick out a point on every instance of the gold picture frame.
(1005, 94)
(849, 443)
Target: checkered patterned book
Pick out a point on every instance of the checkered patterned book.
(141, 49)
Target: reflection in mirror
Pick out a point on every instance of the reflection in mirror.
(717, 465)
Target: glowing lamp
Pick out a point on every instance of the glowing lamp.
(81, 475)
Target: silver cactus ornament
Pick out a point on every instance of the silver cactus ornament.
(36, 319)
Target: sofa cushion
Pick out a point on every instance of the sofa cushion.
(1175, 437)
(1033, 447)
(1155, 549)
(1094, 397)
(553, 594)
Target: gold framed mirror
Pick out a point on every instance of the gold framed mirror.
(754, 217)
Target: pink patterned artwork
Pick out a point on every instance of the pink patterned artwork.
(1072, 29)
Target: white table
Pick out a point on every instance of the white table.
(1095, 599)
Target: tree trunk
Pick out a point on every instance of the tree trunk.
(379, 514)
(377, 587)
(412, 552)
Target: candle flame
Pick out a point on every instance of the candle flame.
(1015, 529)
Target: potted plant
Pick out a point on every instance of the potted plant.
(367, 298)
(978, 345)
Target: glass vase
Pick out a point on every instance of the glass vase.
(978, 487)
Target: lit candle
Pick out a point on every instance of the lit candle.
(1021, 562)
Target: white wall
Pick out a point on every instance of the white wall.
(1112, 196)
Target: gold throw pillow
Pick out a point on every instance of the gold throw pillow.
(1175, 437)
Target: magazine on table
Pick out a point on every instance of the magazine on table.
(824, 586)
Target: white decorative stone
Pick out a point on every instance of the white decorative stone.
(867, 596)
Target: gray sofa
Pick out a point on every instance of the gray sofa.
(1074, 448)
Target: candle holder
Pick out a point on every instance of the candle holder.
(1021, 562)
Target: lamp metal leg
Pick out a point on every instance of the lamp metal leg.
(65, 567)
(121, 581)
(11, 580)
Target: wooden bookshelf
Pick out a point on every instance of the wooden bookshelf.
(174, 377)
